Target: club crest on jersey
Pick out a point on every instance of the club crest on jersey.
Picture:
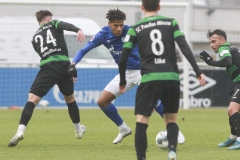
(112, 51)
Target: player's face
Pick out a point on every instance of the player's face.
(216, 41)
(116, 27)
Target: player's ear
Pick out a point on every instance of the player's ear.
(142, 7)
(159, 7)
(109, 23)
(223, 40)
(49, 18)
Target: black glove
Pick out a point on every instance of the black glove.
(206, 57)
(122, 82)
(72, 72)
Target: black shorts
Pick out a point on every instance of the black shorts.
(235, 94)
(148, 93)
(51, 74)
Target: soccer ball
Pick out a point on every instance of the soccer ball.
(161, 140)
(43, 103)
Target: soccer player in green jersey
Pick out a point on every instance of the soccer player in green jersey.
(48, 41)
(155, 36)
(229, 58)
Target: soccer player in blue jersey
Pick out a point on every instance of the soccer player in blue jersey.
(111, 37)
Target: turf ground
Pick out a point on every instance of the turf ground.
(50, 136)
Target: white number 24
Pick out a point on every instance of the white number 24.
(49, 39)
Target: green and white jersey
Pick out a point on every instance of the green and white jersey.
(227, 50)
(155, 37)
(49, 43)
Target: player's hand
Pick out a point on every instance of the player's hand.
(122, 85)
(206, 57)
(74, 79)
(80, 36)
(201, 79)
(72, 72)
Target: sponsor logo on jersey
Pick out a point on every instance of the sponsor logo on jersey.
(112, 51)
(50, 51)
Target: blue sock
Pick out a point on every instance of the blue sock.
(159, 108)
(112, 113)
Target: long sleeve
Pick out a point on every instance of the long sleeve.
(67, 26)
(182, 43)
(95, 42)
(123, 63)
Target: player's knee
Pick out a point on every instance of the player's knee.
(69, 99)
(101, 103)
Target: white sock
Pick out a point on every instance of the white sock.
(77, 126)
(234, 137)
(122, 126)
(238, 139)
(21, 128)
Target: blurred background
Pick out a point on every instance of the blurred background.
(19, 63)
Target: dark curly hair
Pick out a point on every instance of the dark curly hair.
(115, 15)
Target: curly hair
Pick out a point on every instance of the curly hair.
(115, 15)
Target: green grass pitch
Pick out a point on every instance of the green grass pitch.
(50, 136)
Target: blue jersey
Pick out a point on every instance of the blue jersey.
(114, 44)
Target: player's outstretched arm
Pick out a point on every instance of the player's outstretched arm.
(225, 62)
(95, 42)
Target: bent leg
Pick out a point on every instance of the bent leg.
(104, 102)
(111, 112)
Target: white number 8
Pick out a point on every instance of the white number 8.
(157, 40)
